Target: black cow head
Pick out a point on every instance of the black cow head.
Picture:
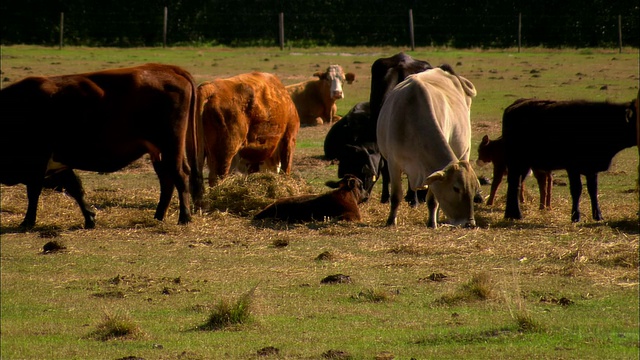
(363, 161)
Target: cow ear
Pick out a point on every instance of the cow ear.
(485, 139)
(436, 176)
(351, 183)
(318, 74)
(350, 77)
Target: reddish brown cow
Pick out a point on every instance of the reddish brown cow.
(341, 204)
(250, 116)
(100, 121)
(316, 99)
(493, 151)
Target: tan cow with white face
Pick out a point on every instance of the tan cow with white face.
(424, 131)
(316, 99)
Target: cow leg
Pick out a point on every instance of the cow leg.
(411, 196)
(395, 177)
(73, 186)
(541, 178)
(34, 189)
(384, 198)
(498, 173)
(575, 188)
(592, 189)
(514, 183)
(548, 186)
(432, 206)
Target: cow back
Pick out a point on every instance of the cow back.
(551, 135)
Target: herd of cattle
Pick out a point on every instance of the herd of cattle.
(416, 122)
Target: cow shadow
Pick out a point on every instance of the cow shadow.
(627, 226)
(43, 231)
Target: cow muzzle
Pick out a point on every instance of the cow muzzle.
(338, 95)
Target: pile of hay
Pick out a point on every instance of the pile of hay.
(245, 195)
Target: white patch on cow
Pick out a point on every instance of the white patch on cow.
(336, 76)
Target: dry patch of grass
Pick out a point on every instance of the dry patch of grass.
(243, 195)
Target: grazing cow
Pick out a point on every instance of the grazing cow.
(355, 157)
(579, 136)
(424, 130)
(249, 120)
(100, 121)
(493, 151)
(316, 99)
(341, 204)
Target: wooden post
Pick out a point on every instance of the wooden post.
(519, 31)
(61, 44)
(281, 30)
(620, 32)
(411, 33)
(164, 27)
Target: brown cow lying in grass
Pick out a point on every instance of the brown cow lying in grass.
(341, 204)
(493, 151)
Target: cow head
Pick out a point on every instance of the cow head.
(335, 78)
(350, 183)
(363, 161)
(455, 188)
(486, 151)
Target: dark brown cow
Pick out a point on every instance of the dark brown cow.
(585, 137)
(316, 99)
(341, 204)
(99, 121)
(493, 151)
(248, 119)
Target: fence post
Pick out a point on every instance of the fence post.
(281, 30)
(620, 32)
(411, 33)
(519, 31)
(61, 44)
(164, 27)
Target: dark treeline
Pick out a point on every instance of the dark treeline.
(481, 23)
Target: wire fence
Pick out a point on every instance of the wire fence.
(398, 28)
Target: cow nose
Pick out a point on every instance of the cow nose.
(338, 95)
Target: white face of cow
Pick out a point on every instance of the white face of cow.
(335, 76)
(455, 188)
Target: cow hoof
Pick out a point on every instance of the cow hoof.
(90, 224)
(27, 225)
(575, 217)
(184, 220)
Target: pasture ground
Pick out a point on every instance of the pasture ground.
(539, 288)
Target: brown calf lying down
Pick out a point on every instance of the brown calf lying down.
(341, 204)
(493, 151)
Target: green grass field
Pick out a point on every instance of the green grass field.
(538, 288)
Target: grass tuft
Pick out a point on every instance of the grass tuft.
(226, 313)
(480, 287)
(116, 326)
(373, 295)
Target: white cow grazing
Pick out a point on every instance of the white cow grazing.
(424, 131)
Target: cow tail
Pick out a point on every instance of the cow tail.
(195, 147)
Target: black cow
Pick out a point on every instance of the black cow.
(99, 121)
(579, 136)
(344, 142)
